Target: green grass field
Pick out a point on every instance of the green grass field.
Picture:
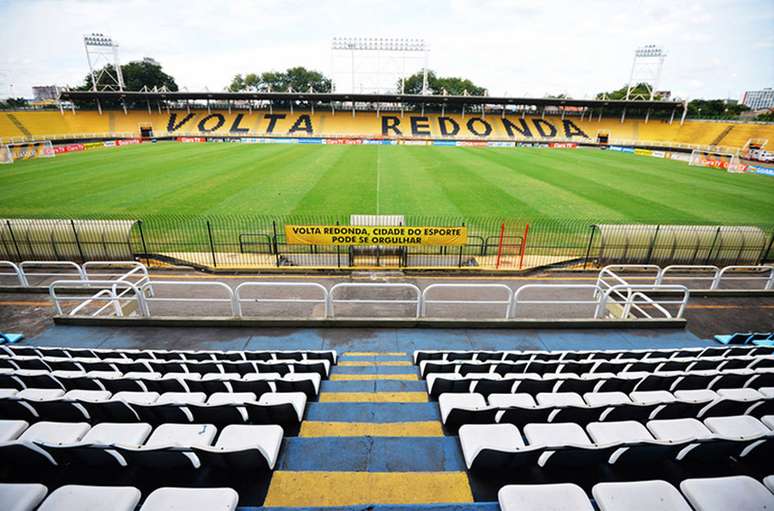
(523, 183)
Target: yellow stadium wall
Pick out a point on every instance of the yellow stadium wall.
(52, 124)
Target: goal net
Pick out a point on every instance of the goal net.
(30, 150)
(5, 154)
(715, 159)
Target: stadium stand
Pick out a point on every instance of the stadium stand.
(84, 124)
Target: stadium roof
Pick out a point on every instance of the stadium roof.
(364, 98)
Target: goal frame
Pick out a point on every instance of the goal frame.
(31, 150)
(6, 157)
(715, 159)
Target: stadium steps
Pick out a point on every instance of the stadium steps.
(372, 439)
(717, 140)
(19, 126)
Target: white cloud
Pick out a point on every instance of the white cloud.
(578, 48)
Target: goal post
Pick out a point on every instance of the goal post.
(716, 159)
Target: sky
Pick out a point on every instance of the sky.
(715, 48)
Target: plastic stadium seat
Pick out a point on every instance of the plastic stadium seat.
(243, 447)
(88, 450)
(159, 450)
(737, 426)
(768, 420)
(506, 400)
(21, 497)
(639, 496)
(457, 409)
(769, 482)
(559, 399)
(542, 497)
(496, 446)
(618, 432)
(92, 498)
(229, 398)
(556, 434)
(55, 432)
(11, 429)
(191, 499)
(740, 493)
(678, 429)
(606, 398)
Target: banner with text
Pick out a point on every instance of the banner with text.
(375, 235)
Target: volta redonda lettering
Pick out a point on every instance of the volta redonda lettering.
(385, 125)
(371, 235)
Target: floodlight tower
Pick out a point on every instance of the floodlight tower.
(646, 68)
(380, 61)
(100, 51)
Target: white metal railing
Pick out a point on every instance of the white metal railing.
(16, 272)
(519, 301)
(28, 267)
(109, 293)
(686, 273)
(609, 273)
(279, 285)
(695, 273)
(333, 300)
(632, 298)
(467, 287)
(150, 289)
(768, 279)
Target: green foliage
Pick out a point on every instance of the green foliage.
(640, 91)
(454, 86)
(13, 103)
(137, 74)
(244, 179)
(714, 109)
(298, 78)
(765, 117)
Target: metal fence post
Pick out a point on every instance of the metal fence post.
(142, 240)
(462, 247)
(13, 238)
(276, 249)
(588, 248)
(77, 240)
(212, 244)
(765, 253)
(652, 244)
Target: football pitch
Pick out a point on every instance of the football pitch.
(518, 183)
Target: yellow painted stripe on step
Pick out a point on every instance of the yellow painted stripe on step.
(354, 363)
(362, 377)
(373, 397)
(374, 353)
(402, 429)
(352, 488)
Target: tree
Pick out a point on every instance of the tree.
(453, 86)
(137, 74)
(13, 103)
(641, 90)
(298, 78)
(714, 109)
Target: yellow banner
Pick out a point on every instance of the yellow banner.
(373, 235)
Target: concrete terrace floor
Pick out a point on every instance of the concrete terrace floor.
(372, 440)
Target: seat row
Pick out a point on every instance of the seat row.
(116, 446)
(702, 494)
(520, 409)
(531, 383)
(187, 355)
(321, 367)
(590, 355)
(27, 497)
(210, 383)
(488, 447)
(94, 406)
(428, 367)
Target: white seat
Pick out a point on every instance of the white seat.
(55, 432)
(88, 395)
(11, 429)
(476, 437)
(182, 435)
(431, 378)
(639, 496)
(181, 398)
(767, 391)
(297, 399)
(21, 497)
(266, 439)
(40, 394)
(652, 397)
(559, 399)
(315, 378)
(698, 396)
(8, 393)
(740, 493)
(768, 420)
(606, 398)
(112, 433)
(740, 394)
(139, 398)
(92, 498)
(231, 398)
(555, 434)
(736, 426)
(507, 400)
(448, 401)
(769, 482)
(543, 497)
(618, 432)
(678, 429)
(191, 499)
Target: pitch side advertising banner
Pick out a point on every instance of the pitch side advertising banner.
(501, 144)
(369, 141)
(128, 141)
(764, 171)
(562, 145)
(310, 141)
(658, 154)
(344, 141)
(371, 235)
(471, 143)
(415, 142)
(446, 143)
(68, 148)
(190, 140)
(643, 152)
